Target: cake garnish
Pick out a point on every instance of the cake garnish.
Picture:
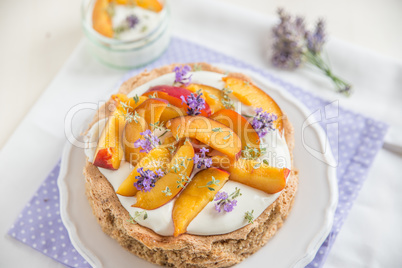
(251, 153)
(182, 76)
(201, 159)
(195, 103)
(137, 216)
(128, 116)
(212, 182)
(146, 181)
(249, 216)
(167, 191)
(226, 100)
(183, 181)
(226, 202)
(148, 142)
(136, 99)
(263, 122)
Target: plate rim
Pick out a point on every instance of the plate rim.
(313, 245)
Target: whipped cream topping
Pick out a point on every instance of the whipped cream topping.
(208, 221)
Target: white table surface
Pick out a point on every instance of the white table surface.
(37, 43)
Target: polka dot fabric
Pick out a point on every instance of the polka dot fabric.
(360, 138)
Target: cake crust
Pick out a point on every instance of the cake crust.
(186, 250)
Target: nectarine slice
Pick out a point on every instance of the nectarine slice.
(101, 21)
(155, 159)
(254, 174)
(171, 112)
(153, 109)
(251, 95)
(172, 183)
(248, 136)
(207, 131)
(130, 135)
(212, 96)
(109, 151)
(195, 197)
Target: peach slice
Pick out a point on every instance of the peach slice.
(101, 21)
(171, 112)
(251, 95)
(149, 113)
(212, 96)
(153, 5)
(240, 126)
(130, 135)
(173, 94)
(207, 131)
(180, 168)
(153, 109)
(109, 151)
(195, 197)
(254, 174)
(155, 159)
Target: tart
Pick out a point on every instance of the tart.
(188, 166)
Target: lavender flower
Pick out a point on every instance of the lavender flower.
(181, 73)
(316, 40)
(195, 103)
(263, 122)
(129, 23)
(132, 21)
(201, 159)
(293, 45)
(148, 142)
(226, 202)
(289, 43)
(146, 181)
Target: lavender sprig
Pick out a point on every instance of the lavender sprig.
(195, 103)
(263, 122)
(201, 159)
(181, 75)
(226, 202)
(147, 178)
(294, 45)
(148, 142)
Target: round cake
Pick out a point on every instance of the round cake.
(190, 166)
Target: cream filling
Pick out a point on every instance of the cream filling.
(208, 221)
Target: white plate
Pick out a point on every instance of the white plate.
(294, 245)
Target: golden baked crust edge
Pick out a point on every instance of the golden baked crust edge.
(186, 250)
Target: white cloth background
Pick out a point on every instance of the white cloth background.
(371, 236)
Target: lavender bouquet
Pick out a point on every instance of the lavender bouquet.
(294, 45)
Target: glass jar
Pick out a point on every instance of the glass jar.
(127, 53)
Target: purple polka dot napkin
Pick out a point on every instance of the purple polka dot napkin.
(354, 146)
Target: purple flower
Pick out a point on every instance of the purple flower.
(289, 41)
(195, 103)
(229, 206)
(148, 142)
(181, 73)
(132, 21)
(146, 181)
(263, 122)
(202, 160)
(316, 40)
(225, 201)
(221, 196)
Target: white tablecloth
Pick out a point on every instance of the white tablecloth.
(371, 236)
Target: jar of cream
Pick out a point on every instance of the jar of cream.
(126, 33)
